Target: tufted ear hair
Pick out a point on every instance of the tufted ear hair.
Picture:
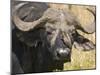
(83, 43)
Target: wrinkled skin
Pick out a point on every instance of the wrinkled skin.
(47, 47)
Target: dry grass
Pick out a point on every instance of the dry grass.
(81, 60)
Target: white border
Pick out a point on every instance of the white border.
(5, 37)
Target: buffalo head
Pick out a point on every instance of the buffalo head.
(52, 31)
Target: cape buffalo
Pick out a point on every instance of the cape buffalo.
(42, 38)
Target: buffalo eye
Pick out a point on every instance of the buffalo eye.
(49, 33)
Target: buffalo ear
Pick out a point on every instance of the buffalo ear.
(83, 43)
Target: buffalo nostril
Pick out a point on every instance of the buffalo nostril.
(62, 53)
(58, 54)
